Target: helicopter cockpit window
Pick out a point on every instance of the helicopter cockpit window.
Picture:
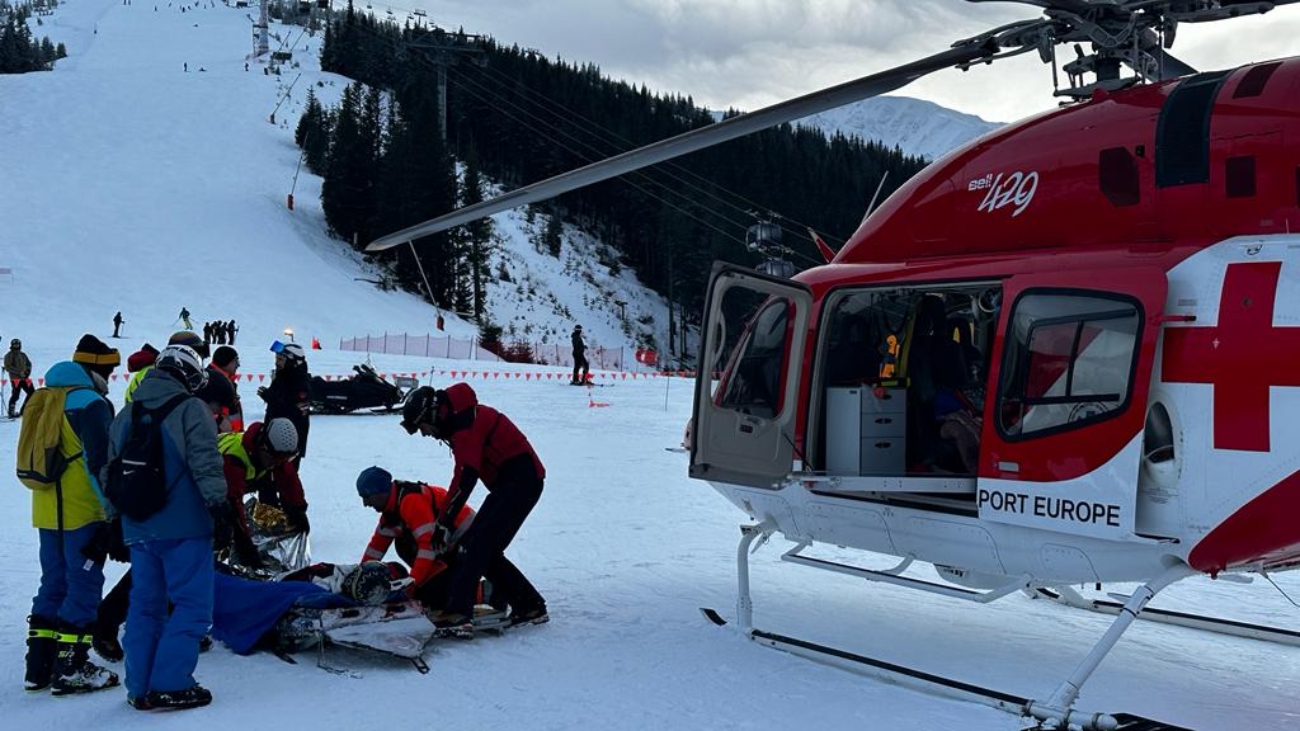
(753, 386)
(1069, 361)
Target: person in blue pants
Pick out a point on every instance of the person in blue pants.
(171, 549)
(71, 519)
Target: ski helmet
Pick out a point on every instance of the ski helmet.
(368, 583)
(292, 352)
(281, 436)
(182, 362)
(419, 408)
(15, 344)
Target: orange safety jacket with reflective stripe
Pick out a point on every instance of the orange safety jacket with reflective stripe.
(413, 510)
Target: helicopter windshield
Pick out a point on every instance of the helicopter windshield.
(753, 384)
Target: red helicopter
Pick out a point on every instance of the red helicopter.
(1065, 353)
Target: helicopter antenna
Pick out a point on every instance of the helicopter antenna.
(872, 206)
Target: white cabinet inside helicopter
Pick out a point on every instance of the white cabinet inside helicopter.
(866, 430)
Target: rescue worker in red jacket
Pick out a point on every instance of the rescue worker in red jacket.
(261, 460)
(487, 446)
(408, 516)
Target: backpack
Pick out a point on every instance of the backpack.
(40, 458)
(137, 482)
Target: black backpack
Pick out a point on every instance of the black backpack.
(137, 483)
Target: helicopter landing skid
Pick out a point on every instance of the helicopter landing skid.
(1055, 714)
(1071, 598)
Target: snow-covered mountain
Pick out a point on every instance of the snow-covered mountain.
(918, 127)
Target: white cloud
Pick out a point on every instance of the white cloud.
(751, 53)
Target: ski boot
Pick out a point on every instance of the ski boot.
(106, 645)
(42, 649)
(195, 696)
(452, 624)
(536, 615)
(74, 672)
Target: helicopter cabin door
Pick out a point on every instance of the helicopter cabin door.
(755, 330)
(1062, 436)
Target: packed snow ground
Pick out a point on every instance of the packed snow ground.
(622, 544)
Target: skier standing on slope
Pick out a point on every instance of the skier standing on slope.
(579, 358)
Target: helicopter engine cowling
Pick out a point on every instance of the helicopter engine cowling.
(971, 579)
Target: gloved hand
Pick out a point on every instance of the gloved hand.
(96, 549)
(262, 392)
(247, 552)
(297, 518)
(223, 521)
(441, 537)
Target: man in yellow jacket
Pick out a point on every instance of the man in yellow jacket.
(70, 518)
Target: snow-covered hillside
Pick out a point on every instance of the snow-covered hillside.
(915, 126)
(147, 159)
(128, 183)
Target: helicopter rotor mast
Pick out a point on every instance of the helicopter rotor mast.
(1136, 33)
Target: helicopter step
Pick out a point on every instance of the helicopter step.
(942, 685)
(1072, 598)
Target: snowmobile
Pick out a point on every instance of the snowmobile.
(366, 389)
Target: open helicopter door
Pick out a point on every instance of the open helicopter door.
(754, 335)
(1062, 436)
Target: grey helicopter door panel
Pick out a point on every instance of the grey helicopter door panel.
(747, 387)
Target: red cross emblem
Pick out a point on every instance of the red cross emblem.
(1242, 357)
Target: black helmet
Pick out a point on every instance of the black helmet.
(368, 583)
(420, 408)
(16, 344)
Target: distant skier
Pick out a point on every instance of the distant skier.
(579, 358)
(19, 368)
(486, 445)
(231, 330)
(117, 324)
(185, 318)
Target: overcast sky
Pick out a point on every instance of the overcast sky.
(750, 53)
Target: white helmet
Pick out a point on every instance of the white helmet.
(182, 362)
(281, 436)
(291, 352)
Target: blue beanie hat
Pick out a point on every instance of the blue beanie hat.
(373, 481)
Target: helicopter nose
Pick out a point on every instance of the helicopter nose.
(1263, 531)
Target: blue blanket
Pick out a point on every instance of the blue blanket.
(244, 610)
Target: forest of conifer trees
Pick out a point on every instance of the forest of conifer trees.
(517, 117)
(20, 51)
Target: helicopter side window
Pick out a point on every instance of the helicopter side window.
(1069, 362)
(754, 383)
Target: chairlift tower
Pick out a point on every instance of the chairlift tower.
(445, 49)
(261, 34)
(764, 238)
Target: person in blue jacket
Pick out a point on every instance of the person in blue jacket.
(171, 550)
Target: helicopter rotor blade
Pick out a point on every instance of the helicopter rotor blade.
(698, 139)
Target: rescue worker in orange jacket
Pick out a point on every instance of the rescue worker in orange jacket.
(261, 460)
(486, 445)
(408, 516)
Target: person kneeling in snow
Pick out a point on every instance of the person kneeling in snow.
(409, 515)
(261, 460)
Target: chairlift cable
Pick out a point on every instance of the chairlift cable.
(614, 138)
(639, 187)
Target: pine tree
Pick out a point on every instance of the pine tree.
(477, 236)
